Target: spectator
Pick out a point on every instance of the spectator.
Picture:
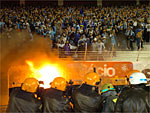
(148, 30)
(94, 45)
(74, 22)
(66, 47)
(77, 37)
(130, 37)
(139, 37)
(100, 48)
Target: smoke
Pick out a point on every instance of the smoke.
(17, 47)
(20, 47)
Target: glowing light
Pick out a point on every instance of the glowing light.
(45, 73)
(30, 64)
(48, 73)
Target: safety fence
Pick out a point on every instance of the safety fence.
(105, 55)
(86, 55)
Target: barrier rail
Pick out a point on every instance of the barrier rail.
(83, 55)
(103, 55)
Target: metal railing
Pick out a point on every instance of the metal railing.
(103, 55)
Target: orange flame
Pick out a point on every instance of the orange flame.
(45, 73)
(30, 64)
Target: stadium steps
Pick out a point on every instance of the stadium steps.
(132, 56)
(146, 46)
(144, 54)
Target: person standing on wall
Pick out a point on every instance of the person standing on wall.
(139, 37)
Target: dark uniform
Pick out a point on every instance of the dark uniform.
(147, 88)
(85, 99)
(54, 101)
(110, 99)
(23, 102)
(133, 100)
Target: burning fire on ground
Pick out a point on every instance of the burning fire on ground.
(46, 72)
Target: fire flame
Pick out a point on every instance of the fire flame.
(46, 73)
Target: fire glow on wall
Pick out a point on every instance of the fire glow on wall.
(71, 70)
(46, 73)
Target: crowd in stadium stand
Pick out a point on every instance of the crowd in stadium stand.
(75, 28)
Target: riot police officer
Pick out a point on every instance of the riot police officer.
(135, 99)
(54, 99)
(110, 98)
(85, 98)
(24, 99)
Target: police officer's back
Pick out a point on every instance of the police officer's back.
(54, 99)
(85, 98)
(135, 99)
(23, 99)
(110, 97)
